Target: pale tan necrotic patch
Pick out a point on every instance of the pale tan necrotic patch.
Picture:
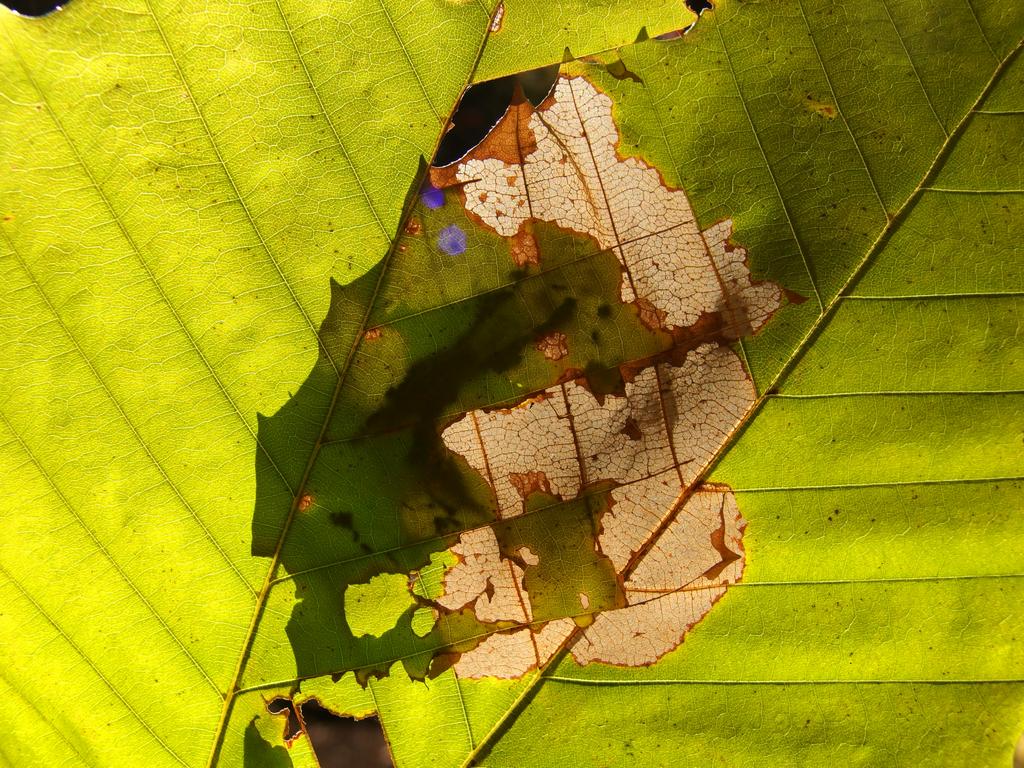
(512, 654)
(553, 346)
(494, 587)
(565, 169)
(543, 444)
(623, 439)
(505, 655)
(674, 585)
(678, 581)
(675, 547)
(484, 580)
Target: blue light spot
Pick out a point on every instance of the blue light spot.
(431, 196)
(452, 240)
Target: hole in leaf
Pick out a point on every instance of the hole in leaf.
(696, 6)
(699, 6)
(282, 706)
(34, 8)
(344, 742)
(483, 104)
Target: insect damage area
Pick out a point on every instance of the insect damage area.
(649, 435)
(519, 445)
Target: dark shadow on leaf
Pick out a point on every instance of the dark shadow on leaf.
(257, 751)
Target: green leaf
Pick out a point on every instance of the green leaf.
(234, 332)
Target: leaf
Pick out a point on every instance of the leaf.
(140, 486)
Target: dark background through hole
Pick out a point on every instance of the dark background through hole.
(33, 7)
(342, 742)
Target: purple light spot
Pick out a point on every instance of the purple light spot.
(431, 196)
(452, 240)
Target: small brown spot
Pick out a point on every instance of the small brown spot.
(793, 297)
(529, 482)
(373, 334)
(414, 227)
(823, 108)
(632, 430)
(305, 502)
(553, 346)
(650, 315)
(483, 197)
(510, 180)
(523, 246)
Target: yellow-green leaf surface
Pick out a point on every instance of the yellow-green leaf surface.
(216, 266)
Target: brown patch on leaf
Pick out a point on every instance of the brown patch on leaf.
(510, 142)
(510, 655)
(527, 483)
(372, 334)
(305, 502)
(575, 438)
(673, 587)
(483, 579)
(649, 314)
(523, 246)
(822, 108)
